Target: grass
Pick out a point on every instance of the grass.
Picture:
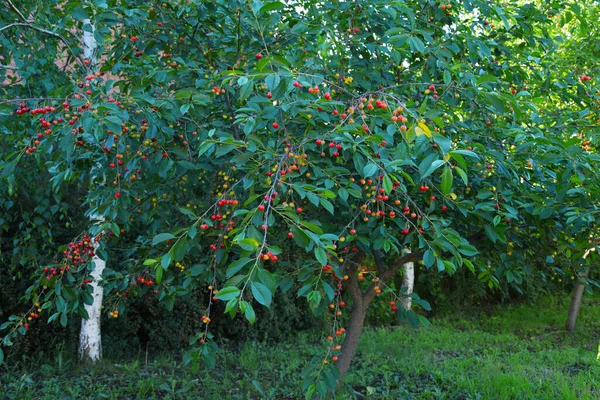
(517, 352)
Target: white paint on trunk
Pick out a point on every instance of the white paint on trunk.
(90, 344)
(89, 42)
(90, 339)
(408, 281)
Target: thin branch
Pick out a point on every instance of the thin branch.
(24, 100)
(41, 30)
(16, 10)
(8, 67)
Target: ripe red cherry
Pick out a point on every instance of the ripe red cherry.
(261, 207)
(290, 235)
(118, 194)
(258, 56)
(444, 208)
(275, 125)
(405, 232)
(269, 95)
(299, 210)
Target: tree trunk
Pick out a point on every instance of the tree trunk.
(576, 301)
(355, 328)
(90, 344)
(90, 339)
(408, 281)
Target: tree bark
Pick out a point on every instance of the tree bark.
(355, 328)
(408, 281)
(361, 302)
(90, 338)
(576, 301)
(90, 344)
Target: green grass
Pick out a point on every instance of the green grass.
(518, 352)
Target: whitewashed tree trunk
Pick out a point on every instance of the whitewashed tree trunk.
(90, 343)
(89, 43)
(408, 281)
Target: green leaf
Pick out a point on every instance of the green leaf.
(159, 274)
(272, 81)
(161, 237)
(462, 174)
(236, 266)
(328, 290)
(446, 185)
(261, 293)
(343, 194)
(249, 312)
(321, 255)
(1, 357)
(387, 184)
(300, 237)
(204, 147)
(271, 6)
(228, 293)
(432, 167)
(327, 205)
(79, 14)
(63, 319)
(248, 244)
(166, 260)
(370, 170)
(447, 77)
(150, 261)
(428, 258)
(416, 44)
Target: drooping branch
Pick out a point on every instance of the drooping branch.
(44, 31)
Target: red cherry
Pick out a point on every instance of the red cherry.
(258, 56)
(118, 194)
(290, 235)
(269, 95)
(275, 125)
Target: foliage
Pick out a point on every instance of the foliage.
(515, 352)
(251, 146)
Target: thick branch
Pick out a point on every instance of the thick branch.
(390, 272)
(16, 10)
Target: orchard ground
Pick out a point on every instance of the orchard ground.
(505, 352)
